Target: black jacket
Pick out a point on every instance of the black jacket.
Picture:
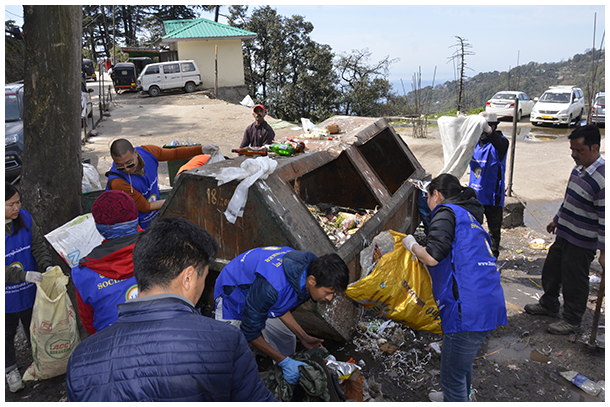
(441, 231)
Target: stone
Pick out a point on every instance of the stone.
(513, 213)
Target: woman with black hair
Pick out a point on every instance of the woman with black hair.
(465, 281)
(26, 252)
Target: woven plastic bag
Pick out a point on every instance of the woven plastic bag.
(53, 332)
(75, 239)
(399, 288)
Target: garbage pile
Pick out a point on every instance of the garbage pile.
(339, 223)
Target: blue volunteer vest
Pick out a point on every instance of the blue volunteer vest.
(146, 184)
(484, 179)
(235, 280)
(103, 294)
(18, 252)
(480, 306)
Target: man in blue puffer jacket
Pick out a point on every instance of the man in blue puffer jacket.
(161, 348)
(257, 290)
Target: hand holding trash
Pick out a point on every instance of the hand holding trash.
(408, 242)
(33, 276)
(487, 128)
(310, 342)
(290, 368)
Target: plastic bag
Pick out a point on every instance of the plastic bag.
(399, 288)
(53, 330)
(459, 136)
(91, 178)
(75, 239)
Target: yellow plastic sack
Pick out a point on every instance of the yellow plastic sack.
(399, 288)
(53, 332)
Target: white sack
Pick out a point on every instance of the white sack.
(75, 239)
(247, 101)
(459, 136)
(91, 178)
(251, 170)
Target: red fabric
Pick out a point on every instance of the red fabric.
(261, 106)
(117, 265)
(113, 207)
(85, 311)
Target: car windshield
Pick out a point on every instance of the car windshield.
(555, 97)
(11, 110)
(601, 100)
(504, 96)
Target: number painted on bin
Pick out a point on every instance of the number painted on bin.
(215, 199)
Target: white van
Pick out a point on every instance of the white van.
(169, 75)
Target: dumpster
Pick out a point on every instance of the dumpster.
(365, 169)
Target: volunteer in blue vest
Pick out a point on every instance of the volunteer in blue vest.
(257, 290)
(487, 169)
(135, 172)
(26, 252)
(104, 278)
(465, 282)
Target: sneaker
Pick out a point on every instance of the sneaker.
(13, 378)
(438, 397)
(562, 328)
(537, 309)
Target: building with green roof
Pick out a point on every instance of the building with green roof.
(206, 41)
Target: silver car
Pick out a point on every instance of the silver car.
(503, 104)
(598, 109)
(559, 105)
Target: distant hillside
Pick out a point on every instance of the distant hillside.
(533, 79)
(13, 59)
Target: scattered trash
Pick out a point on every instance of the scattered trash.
(436, 346)
(595, 279)
(586, 385)
(537, 244)
(512, 367)
(343, 369)
(339, 223)
(535, 283)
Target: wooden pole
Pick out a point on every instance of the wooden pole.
(598, 307)
(216, 71)
(512, 147)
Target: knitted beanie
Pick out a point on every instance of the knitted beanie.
(113, 207)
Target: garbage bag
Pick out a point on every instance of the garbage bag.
(399, 288)
(91, 178)
(459, 136)
(75, 239)
(53, 331)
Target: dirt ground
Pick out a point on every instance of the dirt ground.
(518, 362)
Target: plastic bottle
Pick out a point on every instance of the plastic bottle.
(586, 385)
(250, 151)
(282, 149)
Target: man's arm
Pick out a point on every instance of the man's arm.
(246, 140)
(171, 154)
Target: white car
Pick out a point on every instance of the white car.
(598, 109)
(558, 105)
(503, 104)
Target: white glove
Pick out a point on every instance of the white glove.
(487, 128)
(408, 242)
(209, 149)
(33, 276)
(49, 268)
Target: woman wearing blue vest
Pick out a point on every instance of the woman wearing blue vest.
(25, 253)
(465, 281)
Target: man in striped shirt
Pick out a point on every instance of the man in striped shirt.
(579, 226)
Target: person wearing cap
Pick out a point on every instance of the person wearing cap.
(104, 278)
(258, 133)
(487, 170)
(135, 172)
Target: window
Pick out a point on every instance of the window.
(171, 68)
(151, 70)
(188, 67)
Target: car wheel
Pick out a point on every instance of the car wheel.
(190, 87)
(536, 123)
(579, 118)
(519, 115)
(154, 91)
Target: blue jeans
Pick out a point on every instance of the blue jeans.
(457, 355)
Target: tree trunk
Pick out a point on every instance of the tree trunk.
(52, 171)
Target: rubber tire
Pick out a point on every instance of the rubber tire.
(154, 91)
(536, 123)
(519, 116)
(190, 87)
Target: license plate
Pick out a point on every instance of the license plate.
(546, 117)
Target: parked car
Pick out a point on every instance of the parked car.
(598, 109)
(89, 69)
(558, 105)
(13, 130)
(503, 104)
(169, 75)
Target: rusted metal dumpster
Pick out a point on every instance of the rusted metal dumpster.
(366, 168)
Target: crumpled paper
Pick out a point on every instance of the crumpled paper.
(250, 171)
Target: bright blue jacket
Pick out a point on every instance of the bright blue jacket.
(163, 349)
(262, 283)
(466, 284)
(18, 252)
(146, 184)
(487, 174)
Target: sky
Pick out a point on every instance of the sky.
(423, 37)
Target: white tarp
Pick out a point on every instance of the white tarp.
(459, 136)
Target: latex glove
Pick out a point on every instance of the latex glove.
(33, 276)
(408, 242)
(209, 149)
(290, 368)
(487, 128)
